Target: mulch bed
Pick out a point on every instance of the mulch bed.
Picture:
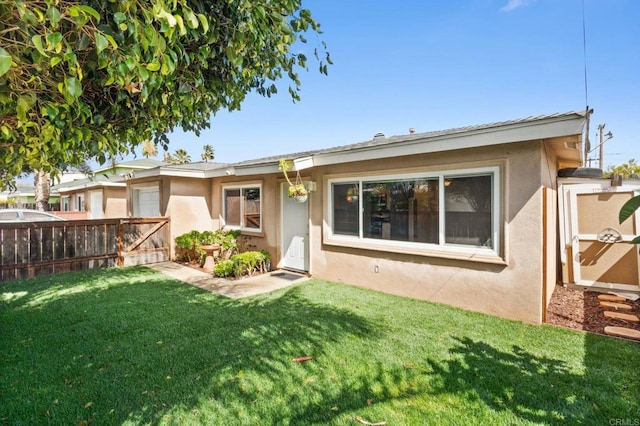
(580, 310)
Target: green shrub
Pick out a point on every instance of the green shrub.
(186, 247)
(246, 263)
(224, 268)
(188, 244)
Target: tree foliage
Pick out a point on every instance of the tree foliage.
(180, 156)
(627, 211)
(208, 153)
(95, 78)
(625, 169)
(149, 149)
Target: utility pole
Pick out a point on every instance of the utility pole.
(601, 144)
(601, 132)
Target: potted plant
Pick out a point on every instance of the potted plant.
(297, 190)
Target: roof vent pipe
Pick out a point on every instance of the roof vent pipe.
(411, 130)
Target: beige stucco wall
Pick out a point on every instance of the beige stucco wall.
(115, 202)
(512, 290)
(552, 271)
(187, 202)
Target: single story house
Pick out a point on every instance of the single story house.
(102, 195)
(466, 217)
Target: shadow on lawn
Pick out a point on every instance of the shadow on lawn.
(132, 346)
(537, 388)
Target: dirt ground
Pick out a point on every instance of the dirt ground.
(580, 310)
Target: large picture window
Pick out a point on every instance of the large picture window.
(455, 210)
(242, 208)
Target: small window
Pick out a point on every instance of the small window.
(242, 207)
(80, 202)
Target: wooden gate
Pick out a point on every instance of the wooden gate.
(597, 250)
(42, 248)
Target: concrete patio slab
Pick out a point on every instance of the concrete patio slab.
(235, 289)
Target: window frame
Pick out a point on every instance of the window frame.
(79, 202)
(137, 189)
(494, 254)
(241, 187)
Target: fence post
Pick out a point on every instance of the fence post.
(120, 243)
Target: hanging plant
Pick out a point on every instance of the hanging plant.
(296, 190)
(352, 194)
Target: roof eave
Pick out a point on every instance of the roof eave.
(508, 133)
(92, 185)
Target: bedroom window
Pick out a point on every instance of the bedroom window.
(450, 211)
(242, 208)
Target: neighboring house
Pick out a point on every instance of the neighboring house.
(465, 217)
(103, 195)
(23, 195)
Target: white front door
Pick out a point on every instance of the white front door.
(295, 233)
(95, 206)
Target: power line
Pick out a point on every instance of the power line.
(584, 53)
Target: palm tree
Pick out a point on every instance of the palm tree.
(149, 149)
(181, 156)
(208, 153)
(41, 182)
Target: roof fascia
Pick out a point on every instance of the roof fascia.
(162, 171)
(510, 133)
(552, 127)
(257, 169)
(90, 185)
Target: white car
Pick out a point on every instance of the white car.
(26, 215)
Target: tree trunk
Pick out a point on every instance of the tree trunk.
(41, 182)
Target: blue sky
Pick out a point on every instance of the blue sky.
(435, 65)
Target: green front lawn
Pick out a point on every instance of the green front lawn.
(129, 346)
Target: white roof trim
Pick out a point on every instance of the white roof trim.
(89, 185)
(519, 132)
(529, 129)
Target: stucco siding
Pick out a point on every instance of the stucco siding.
(511, 290)
(115, 199)
(188, 205)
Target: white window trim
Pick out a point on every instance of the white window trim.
(224, 208)
(65, 203)
(442, 249)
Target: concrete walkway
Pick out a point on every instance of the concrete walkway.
(235, 289)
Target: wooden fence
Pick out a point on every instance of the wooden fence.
(43, 248)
